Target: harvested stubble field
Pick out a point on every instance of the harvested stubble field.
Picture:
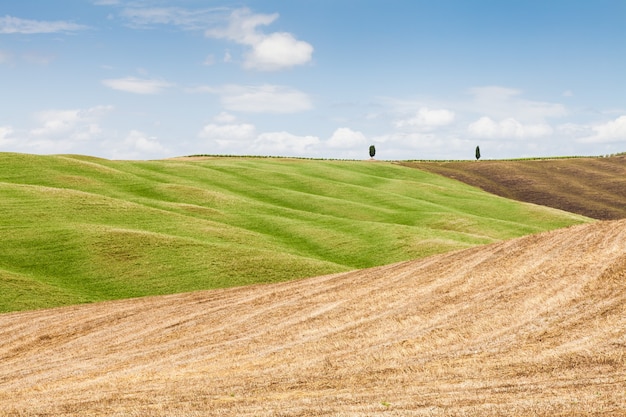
(530, 326)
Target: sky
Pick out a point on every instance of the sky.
(418, 79)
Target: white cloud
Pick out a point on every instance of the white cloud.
(267, 52)
(260, 99)
(508, 128)
(426, 119)
(276, 51)
(224, 117)
(13, 25)
(502, 103)
(242, 138)
(135, 145)
(284, 144)
(242, 27)
(612, 131)
(54, 122)
(137, 85)
(421, 145)
(5, 132)
(80, 131)
(76, 124)
(58, 131)
(344, 138)
(228, 136)
(140, 142)
(516, 125)
(226, 133)
(106, 2)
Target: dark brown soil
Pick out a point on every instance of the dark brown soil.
(593, 187)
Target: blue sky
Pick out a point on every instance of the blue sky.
(148, 79)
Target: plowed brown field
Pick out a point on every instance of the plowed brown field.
(531, 326)
(593, 187)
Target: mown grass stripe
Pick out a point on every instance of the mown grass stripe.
(91, 229)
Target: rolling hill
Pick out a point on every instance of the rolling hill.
(593, 187)
(78, 229)
(528, 326)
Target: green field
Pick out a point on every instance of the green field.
(78, 229)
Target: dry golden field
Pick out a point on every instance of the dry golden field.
(534, 326)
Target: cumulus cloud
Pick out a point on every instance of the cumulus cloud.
(77, 124)
(276, 51)
(15, 25)
(260, 99)
(344, 138)
(137, 85)
(228, 136)
(517, 125)
(80, 131)
(140, 142)
(611, 131)
(265, 52)
(426, 119)
(508, 128)
(226, 133)
(284, 144)
(135, 145)
(57, 131)
(225, 117)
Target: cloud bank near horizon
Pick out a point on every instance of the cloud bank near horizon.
(133, 79)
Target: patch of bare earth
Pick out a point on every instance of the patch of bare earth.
(593, 187)
(532, 326)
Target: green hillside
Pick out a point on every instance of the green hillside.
(79, 229)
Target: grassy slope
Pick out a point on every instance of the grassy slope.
(593, 187)
(533, 326)
(78, 229)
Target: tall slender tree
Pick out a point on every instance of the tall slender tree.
(372, 151)
(477, 153)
